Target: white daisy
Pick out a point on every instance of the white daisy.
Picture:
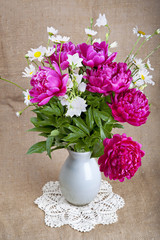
(148, 64)
(75, 60)
(97, 40)
(76, 107)
(52, 31)
(101, 21)
(142, 77)
(90, 32)
(27, 97)
(59, 39)
(49, 51)
(139, 63)
(158, 31)
(138, 32)
(113, 45)
(37, 53)
(29, 71)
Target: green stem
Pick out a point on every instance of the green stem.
(60, 58)
(88, 39)
(135, 71)
(155, 49)
(12, 83)
(109, 30)
(91, 21)
(49, 60)
(35, 64)
(132, 49)
(142, 44)
(20, 112)
(27, 61)
(48, 42)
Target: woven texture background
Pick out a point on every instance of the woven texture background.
(23, 25)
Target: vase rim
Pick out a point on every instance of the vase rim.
(78, 152)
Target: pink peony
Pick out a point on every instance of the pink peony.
(67, 48)
(96, 54)
(121, 158)
(46, 84)
(130, 106)
(111, 77)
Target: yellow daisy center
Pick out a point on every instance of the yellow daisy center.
(28, 97)
(37, 54)
(31, 73)
(142, 76)
(140, 32)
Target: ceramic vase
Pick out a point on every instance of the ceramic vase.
(80, 178)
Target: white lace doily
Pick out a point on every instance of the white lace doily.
(58, 212)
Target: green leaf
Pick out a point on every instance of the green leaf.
(79, 146)
(37, 148)
(46, 123)
(117, 125)
(49, 142)
(59, 147)
(97, 117)
(102, 133)
(43, 135)
(89, 118)
(54, 133)
(72, 137)
(41, 129)
(104, 115)
(49, 111)
(81, 124)
(98, 149)
(34, 120)
(76, 130)
(56, 110)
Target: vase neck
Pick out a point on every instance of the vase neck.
(80, 156)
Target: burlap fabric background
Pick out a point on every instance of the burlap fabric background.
(23, 25)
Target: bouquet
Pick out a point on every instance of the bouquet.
(80, 93)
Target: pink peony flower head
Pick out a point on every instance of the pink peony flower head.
(121, 158)
(96, 54)
(110, 77)
(67, 48)
(130, 106)
(46, 84)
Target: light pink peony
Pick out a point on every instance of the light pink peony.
(111, 77)
(130, 106)
(121, 158)
(96, 54)
(46, 84)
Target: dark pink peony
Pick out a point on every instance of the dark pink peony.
(111, 77)
(130, 106)
(46, 84)
(67, 48)
(121, 158)
(96, 54)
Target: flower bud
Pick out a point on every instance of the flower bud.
(157, 31)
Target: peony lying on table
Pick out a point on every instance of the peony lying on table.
(80, 93)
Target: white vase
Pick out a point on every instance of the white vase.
(80, 178)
